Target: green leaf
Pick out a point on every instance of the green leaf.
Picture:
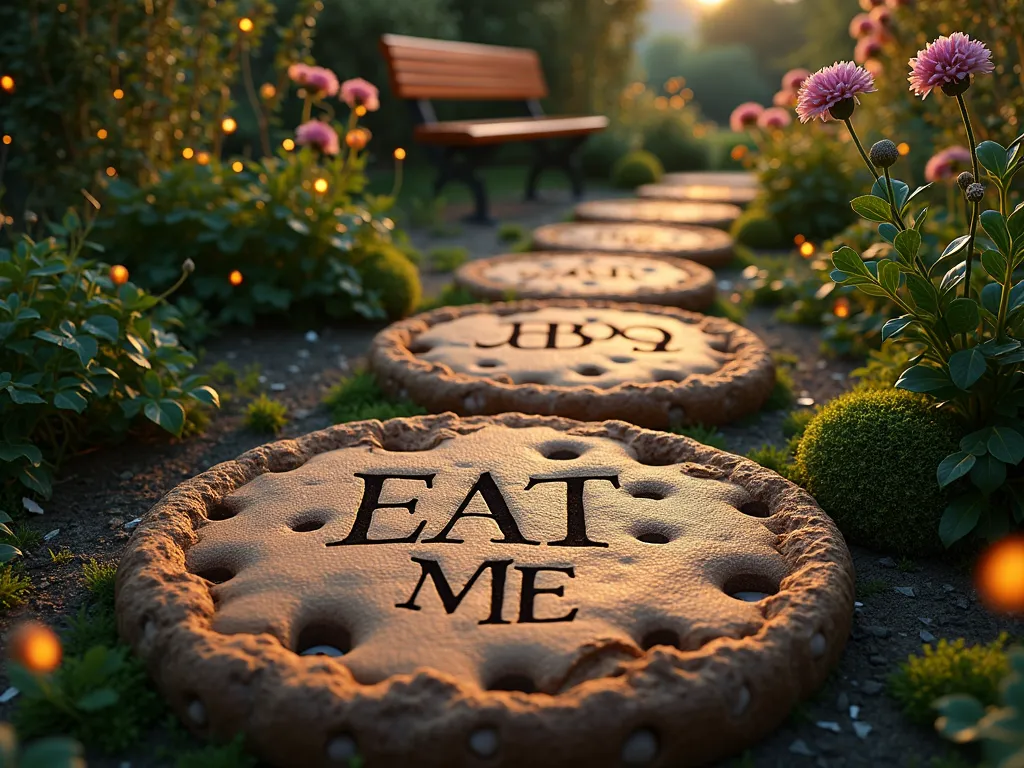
(908, 244)
(70, 400)
(52, 752)
(27, 682)
(888, 231)
(37, 479)
(922, 378)
(995, 226)
(1006, 444)
(958, 717)
(960, 517)
(896, 326)
(205, 394)
(889, 276)
(847, 260)
(24, 396)
(966, 367)
(976, 442)
(924, 294)
(8, 553)
(990, 296)
(152, 385)
(96, 700)
(880, 190)
(992, 156)
(104, 326)
(166, 413)
(871, 208)
(995, 264)
(953, 277)
(988, 473)
(299, 226)
(1015, 226)
(962, 316)
(954, 466)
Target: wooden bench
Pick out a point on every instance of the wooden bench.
(421, 70)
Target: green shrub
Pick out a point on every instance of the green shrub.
(722, 307)
(869, 458)
(14, 587)
(83, 354)
(451, 295)
(758, 230)
(230, 755)
(671, 140)
(266, 415)
(99, 580)
(51, 752)
(358, 398)
(706, 435)
(636, 168)
(447, 258)
(601, 152)
(795, 423)
(946, 669)
(511, 232)
(394, 278)
(782, 395)
(778, 460)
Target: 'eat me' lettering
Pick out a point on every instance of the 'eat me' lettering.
(572, 336)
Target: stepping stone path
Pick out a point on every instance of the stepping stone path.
(707, 193)
(711, 178)
(397, 591)
(546, 275)
(704, 245)
(718, 215)
(588, 360)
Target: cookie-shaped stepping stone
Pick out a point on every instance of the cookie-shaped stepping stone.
(707, 193)
(616, 277)
(711, 247)
(718, 215)
(712, 178)
(589, 360)
(508, 591)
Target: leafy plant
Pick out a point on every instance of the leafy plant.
(14, 587)
(83, 353)
(358, 398)
(771, 457)
(965, 718)
(266, 415)
(949, 668)
(707, 435)
(447, 258)
(451, 295)
(510, 232)
(636, 168)
(99, 579)
(7, 551)
(230, 755)
(782, 395)
(93, 625)
(795, 423)
(21, 537)
(50, 752)
(62, 556)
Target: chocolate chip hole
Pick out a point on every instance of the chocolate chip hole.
(647, 494)
(660, 637)
(621, 359)
(513, 682)
(755, 508)
(225, 510)
(653, 537)
(590, 370)
(323, 638)
(559, 452)
(306, 526)
(419, 347)
(488, 363)
(750, 587)
(216, 575)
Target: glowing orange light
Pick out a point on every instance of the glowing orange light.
(111, 171)
(738, 152)
(357, 138)
(676, 102)
(288, 144)
(999, 575)
(320, 185)
(841, 308)
(661, 103)
(35, 646)
(228, 125)
(268, 91)
(807, 250)
(118, 94)
(187, 153)
(119, 274)
(799, 239)
(399, 154)
(203, 158)
(101, 134)
(245, 24)
(237, 166)
(235, 278)
(360, 110)
(903, 148)
(7, 83)
(7, 138)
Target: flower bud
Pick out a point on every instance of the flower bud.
(975, 193)
(188, 266)
(884, 153)
(957, 87)
(964, 180)
(843, 110)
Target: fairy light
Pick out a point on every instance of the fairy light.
(841, 308)
(187, 153)
(245, 24)
(320, 185)
(999, 575)
(118, 94)
(288, 144)
(738, 152)
(101, 134)
(799, 240)
(268, 91)
(111, 171)
(119, 274)
(807, 250)
(228, 125)
(35, 646)
(903, 148)
(677, 102)
(7, 83)
(237, 166)
(360, 110)
(357, 138)
(7, 138)
(399, 154)
(203, 158)
(235, 278)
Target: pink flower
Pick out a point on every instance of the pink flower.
(319, 135)
(944, 165)
(358, 92)
(774, 118)
(949, 63)
(867, 48)
(745, 116)
(836, 86)
(784, 99)
(867, 5)
(862, 25)
(882, 15)
(319, 80)
(792, 80)
(898, 3)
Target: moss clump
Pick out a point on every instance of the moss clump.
(869, 458)
(396, 281)
(14, 587)
(946, 669)
(637, 168)
(776, 459)
(99, 579)
(266, 415)
(757, 229)
(358, 398)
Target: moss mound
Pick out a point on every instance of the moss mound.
(388, 271)
(757, 229)
(869, 458)
(636, 168)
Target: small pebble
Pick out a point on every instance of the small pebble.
(799, 747)
(881, 632)
(861, 729)
(303, 354)
(51, 535)
(302, 413)
(126, 475)
(640, 748)
(887, 562)
(961, 602)
(131, 525)
(858, 604)
(927, 636)
(9, 694)
(262, 379)
(948, 588)
(878, 660)
(805, 402)
(341, 749)
(484, 741)
(829, 725)
(231, 355)
(294, 369)
(312, 337)
(925, 621)
(872, 687)
(31, 506)
(278, 386)
(906, 591)
(854, 711)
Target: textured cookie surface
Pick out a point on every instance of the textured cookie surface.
(588, 360)
(489, 591)
(670, 212)
(703, 245)
(616, 277)
(709, 193)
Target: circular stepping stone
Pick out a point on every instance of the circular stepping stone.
(589, 360)
(711, 247)
(707, 193)
(427, 591)
(712, 178)
(718, 215)
(616, 277)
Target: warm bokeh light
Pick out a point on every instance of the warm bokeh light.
(101, 134)
(710, 2)
(903, 148)
(235, 278)
(357, 138)
(288, 144)
(203, 158)
(999, 575)
(320, 185)
(34, 646)
(187, 153)
(268, 91)
(807, 250)
(7, 83)
(118, 93)
(799, 239)
(399, 154)
(237, 166)
(7, 138)
(228, 125)
(111, 171)
(245, 24)
(738, 152)
(119, 274)
(841, 308)
(360, 110)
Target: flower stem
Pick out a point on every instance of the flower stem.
(970, 257)
(970, 136)
(892, 200)
(860, 148)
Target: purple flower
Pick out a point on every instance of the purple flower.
(948, 63)
(319, 80)
(943, 165)
(358, 92)
(793, 79)
(745, 116)
(833, 89)
(862, 25)
(319, 135)
(774, 118)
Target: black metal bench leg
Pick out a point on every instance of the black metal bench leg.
(540, 161)
(458, 165)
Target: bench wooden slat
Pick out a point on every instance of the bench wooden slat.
(476, 132)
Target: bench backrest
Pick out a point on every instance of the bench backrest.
(440, 69)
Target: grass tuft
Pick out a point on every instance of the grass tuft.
(266, 415)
